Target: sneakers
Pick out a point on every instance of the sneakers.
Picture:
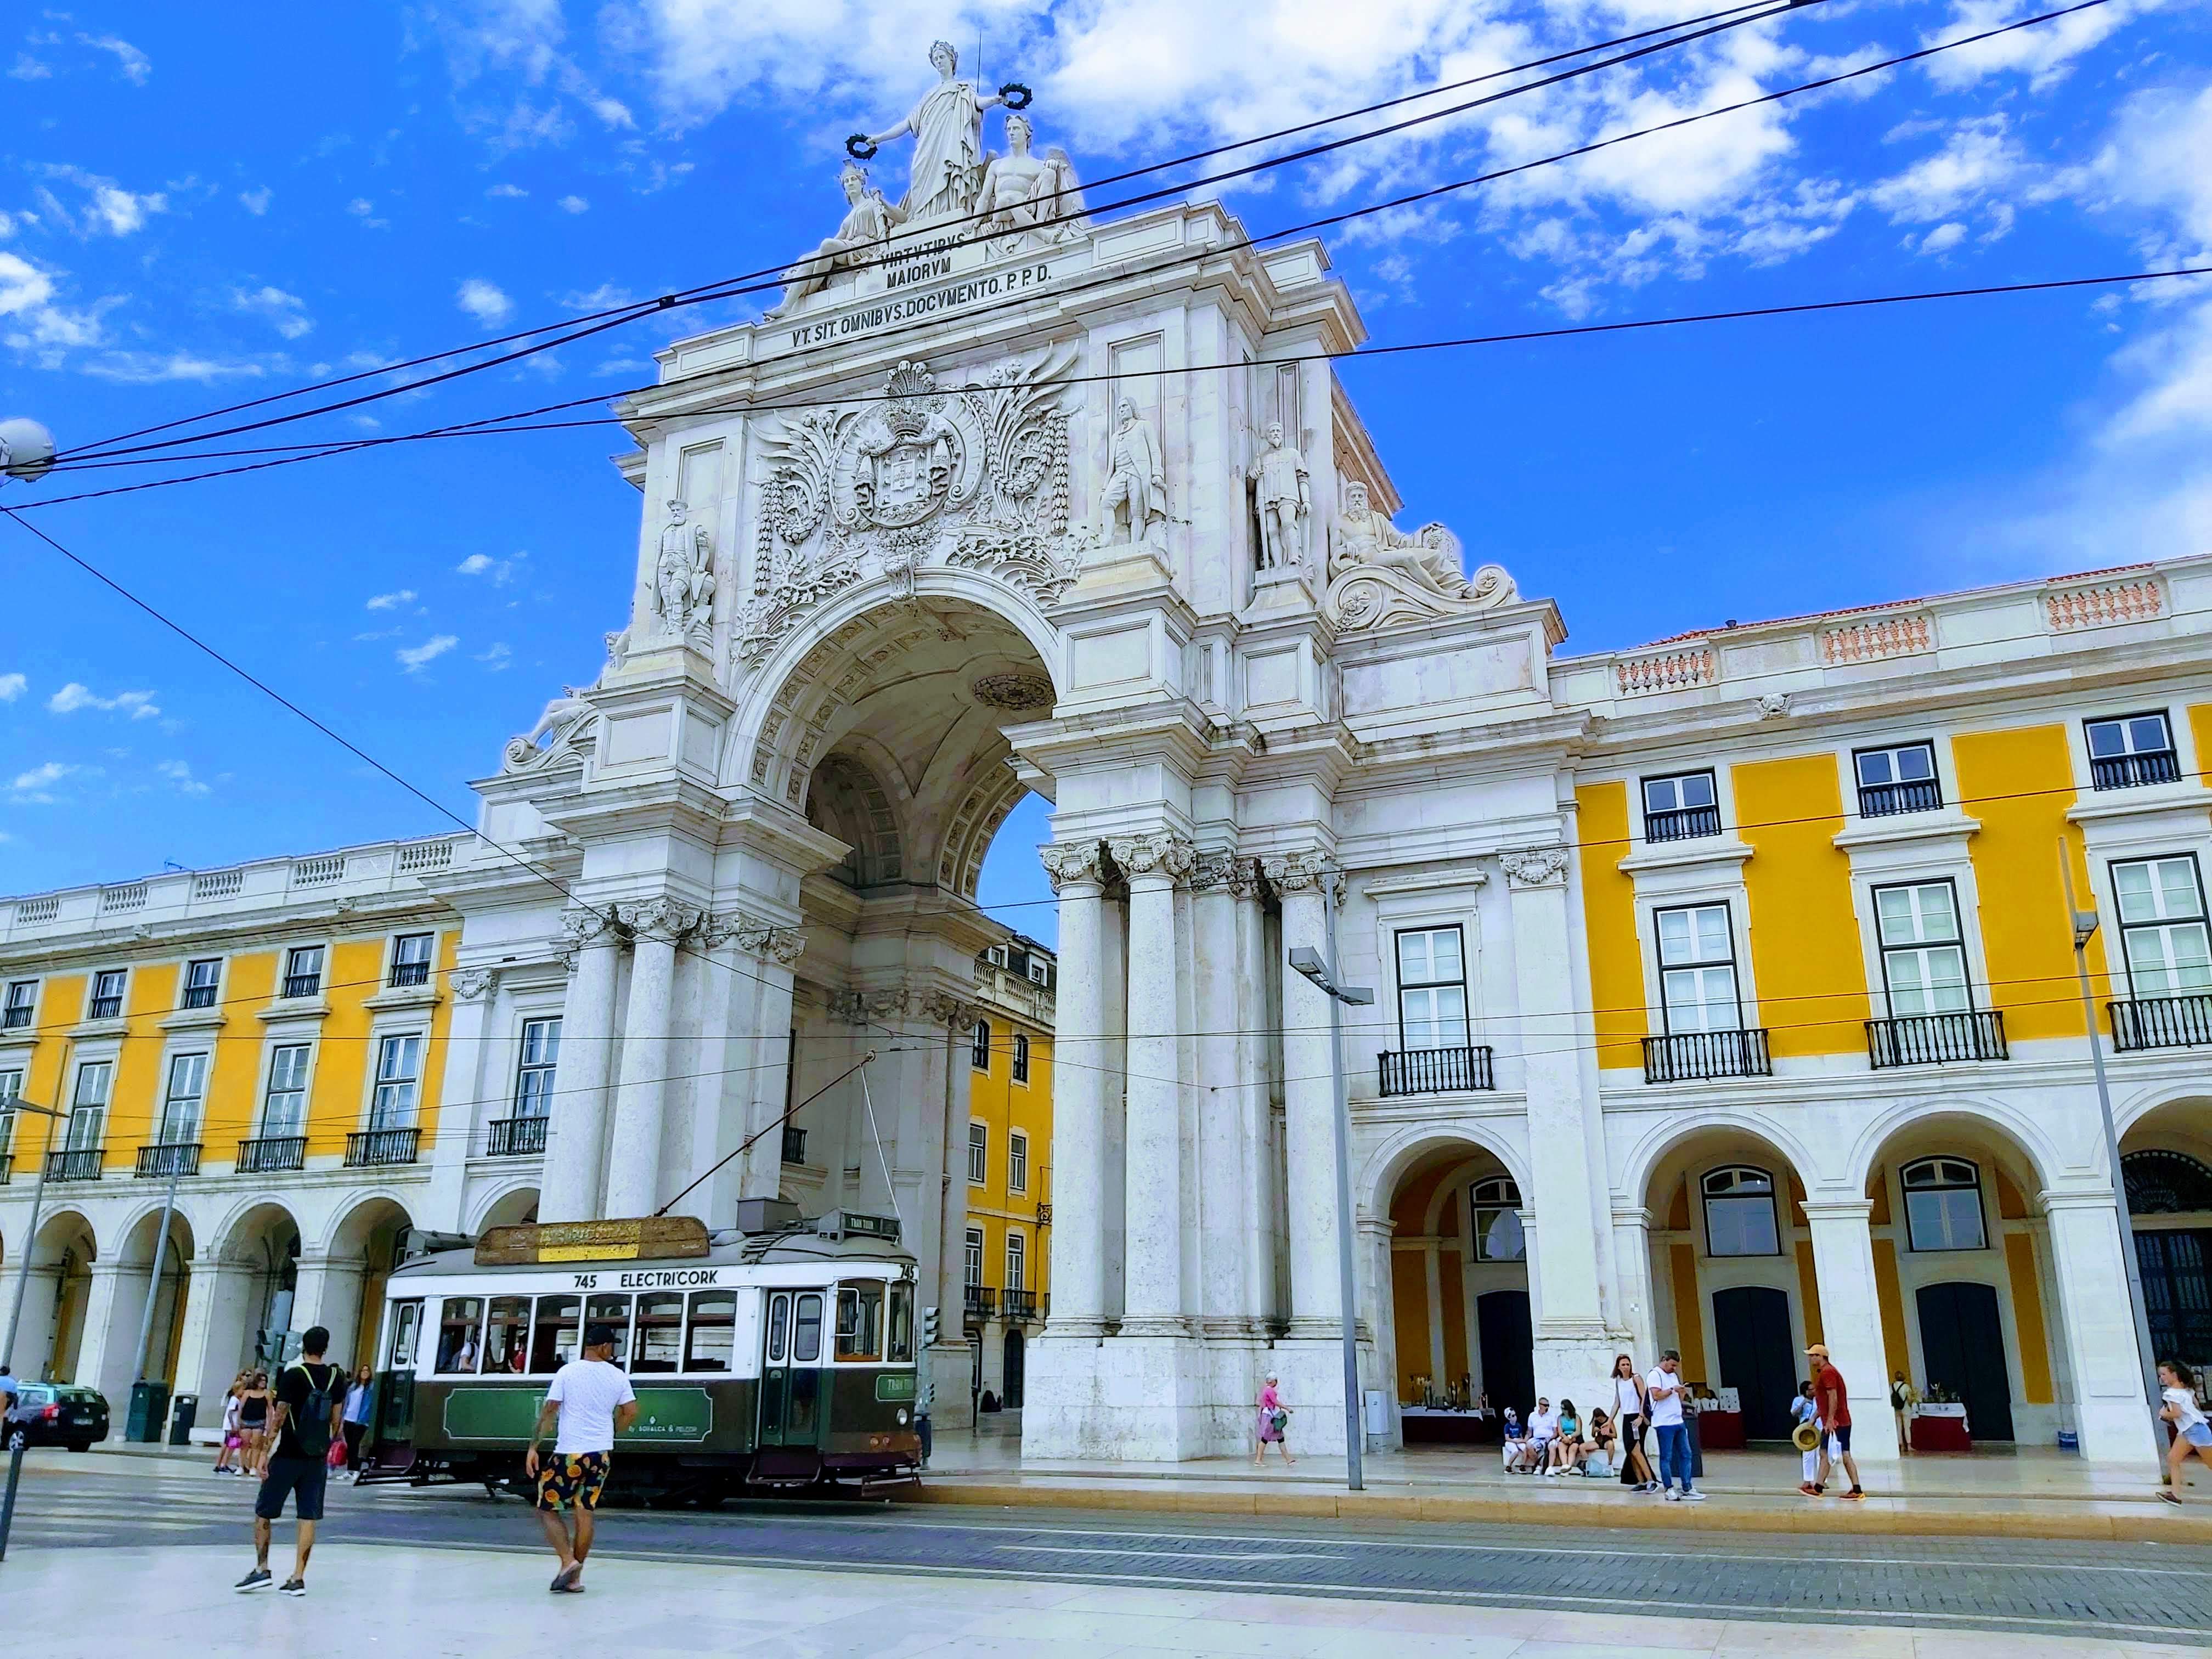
(1856, 1494)
(1670, 1494)
(296, 1587)
(1694, 1498)
(1808, 1489)
(257, 1579)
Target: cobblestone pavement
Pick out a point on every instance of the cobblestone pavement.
(2140, 1593)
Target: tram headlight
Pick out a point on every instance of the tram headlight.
(902, 1417)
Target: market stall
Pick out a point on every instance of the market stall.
(1940, 1425)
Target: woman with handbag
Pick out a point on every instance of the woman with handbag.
(1274, 1418)
(1632, 1413)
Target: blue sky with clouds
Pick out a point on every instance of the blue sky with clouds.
(196, 208)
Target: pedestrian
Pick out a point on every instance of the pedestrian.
(234, 1441)
(1567, 1443)
(2192, 1433)
(1274, 1422)
(1803, 1410)
(304, 1420)
(1516, 1439)
(1601, 1448)
(590, 1402)
(356, 1418)
(1903, 1397)
(1665, 1388)
(1631, 1410)
(1543, 1430)
(1835, 1420)
(253, 1423)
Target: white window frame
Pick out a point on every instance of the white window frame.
(527, 1070)
(971, 1258)
(12, 1073)
(187, 987)
(1890, 753)
(1776, 1189)
(400, 942)
(1981, 1209)
(2160, 923)
(1645, 785)
(27, 1004)
(1917, 947)
(292, 955)
(93, 1111)
(192, 1102)
(979, 1047)
(979, 1152)
(1017, 1161)
(270, 1090)
(395, 1100)
(1021, 1050)
(1437, 1022)
(1018, 1261)
(1496, 1197)
(1696, 964)
(93, 998)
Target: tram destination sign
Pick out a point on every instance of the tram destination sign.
(644, 1238)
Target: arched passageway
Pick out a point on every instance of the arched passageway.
(1461, 1324)
(50, 1336)
(2166, 1167)
(345, 1294)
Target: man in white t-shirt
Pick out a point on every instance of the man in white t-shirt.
(1666, 1387)
(593, 1402)
(1543, 1430)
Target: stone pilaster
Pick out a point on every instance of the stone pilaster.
(1308, 1099)
(642, 1094)
(1153, 1294)
(576, 1131)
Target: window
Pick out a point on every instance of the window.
(541, 1055)
(657, 1347)
(411, 958)
(11, 1088)
(553, 1341)
(107, 995)
(979, 1052)
(1495, 1203)
(461, 1346)
(1017, 1162)
(1021, 1058)
(979, 1142)
(406, 1325)
(860, 1320)
(180, 1106)
(996, 956)
(22, 1000)
(1018, 1261)
(1923, 964)
(1943, 1205)
(202, 980)
(713, 1332)
(2162, 926)
(1679, 807)
(88, 1105)
(898, 1347)
(611, 1309)
(807, 1331)
(2131, 750)
(1899, 779)
(506, 1339)
(1432, 988)
(1040, 971)
(284, 1113)
(971, 1260)
(1697, 969)
(398, 1068)
(303, 970)
(1740, 1214)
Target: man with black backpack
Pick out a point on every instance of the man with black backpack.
(305, 1421)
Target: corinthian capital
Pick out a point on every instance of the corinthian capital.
(1534, 866)
(1161, 854)
(1073, 861)
(581, 924)
(941, 1008)
(1304, 871)
(1222, 867)
(661, 919)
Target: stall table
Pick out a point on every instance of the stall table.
(1720, 1430)
(1940, 1427)
(1434, 1425)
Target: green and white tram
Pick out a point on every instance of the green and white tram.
(783, 1357)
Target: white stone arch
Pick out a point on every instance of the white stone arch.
(232, 1229)
(2132, 1110)
(347, 1231)
(1665, 1135)
(146, 1218)
(855, 802)
(53, 1236)
(1921, 1112)
(490, 1210)
(1405, 1145)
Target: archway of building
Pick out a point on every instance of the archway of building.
(262, 1249)
(2166, 1167)
(126, 1305)
(1965, 1279)
(1461, 1327)
(508, 1209)
(49, 1335)
(356, 1265)
(1733, 1285)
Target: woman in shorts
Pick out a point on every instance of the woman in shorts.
(2192, 1435)
(253, 1423)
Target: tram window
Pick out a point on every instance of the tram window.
(406, 1323)
(553, 1344)
(459, 1321)
(506, 1339)
(660, 1346)
(900, 1352)
(714, 1331)
(860, 1320)
(779, 1319)
(807, 1331)
(613, 1312)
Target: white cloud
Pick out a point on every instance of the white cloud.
(2044, 54)
(500, 656)
(475, 565)
(1943, 238)
(483, 301)
(390, 601)
(180, 773)
(574, 204)
(136, 66)
(1979, 160)
(361, 207)
(501, 571)
(413, 657)
(256, 202)
(109, 209)
(138, 705)
(506, 56)
(12, 686)
(287, 313)
(154, 368)
(515, 191)
(28, 68)
(33, 785)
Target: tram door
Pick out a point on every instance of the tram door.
(791, 1373)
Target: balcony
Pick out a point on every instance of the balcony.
(299, 986)
(1683, 823)
(78, 1163)
(366, 1148)
(105, 1007)
(7, 1167)
(794, 1144)
(176, 1158)
(409, 973)
(1686, 1056)
(1935, 1039)
(2134, 771)
(272, 1154)
(1881, 801)
(1022, 1305)
(1436, 1071)
(509, 1137)
(2161, 1023)
(980, 1302)
(16, 1018)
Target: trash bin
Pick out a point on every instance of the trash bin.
(184, 1412)
(150, 1402)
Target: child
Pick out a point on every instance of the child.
(2192, 1433)
(1805, 1408)
(232, 1438)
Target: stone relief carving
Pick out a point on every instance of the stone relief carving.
(1774, 705)
(1015, 692)
(566, 725)
(470, 984)
(1534, 866)
(1282, 494)
(662, 919)
(1073, 861)
(754, 936)
(683, 582)
(581, 925)
(1224, 867)
(1025, 203)
(977, 477)
(1379, 574)
(940, 1008)
(1304, 871)
(867, 1008)
(1134, 506)
(862, 238)
(1159, 854)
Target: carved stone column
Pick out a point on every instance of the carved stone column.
(642, 1094)
(1219, 881)
(1850, 1320)
(1309, 1101)
(1079, 1082)
(463, 1103)
(748, 994)
(576, 1130)
(953, 1405)
(1152, 1305)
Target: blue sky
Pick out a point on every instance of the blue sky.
(194, 209)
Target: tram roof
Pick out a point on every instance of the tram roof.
(799, 1243)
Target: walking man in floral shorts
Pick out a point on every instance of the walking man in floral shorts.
(591, 1401)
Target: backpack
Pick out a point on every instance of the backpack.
(312, 1424)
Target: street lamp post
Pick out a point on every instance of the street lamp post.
(2084, 924)
(1306, 961)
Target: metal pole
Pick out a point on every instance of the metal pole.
(175, 1155)
(1354, 1434)
(8, 1503)
(30, 1230)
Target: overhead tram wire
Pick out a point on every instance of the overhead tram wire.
(1122, 275)
(720, 287)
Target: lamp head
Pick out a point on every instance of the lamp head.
(26, 450)
(2085, 928)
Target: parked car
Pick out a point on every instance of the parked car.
(58, 1414)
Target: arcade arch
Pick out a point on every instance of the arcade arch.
(50, 1336)
(2166, 1170)
(1458, 1295)
(357, 1262)
(126, 1305)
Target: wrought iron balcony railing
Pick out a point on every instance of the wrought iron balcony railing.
(1683, 1056)
(1880, 800)
(366, 1147)
(512, 1136)
(1436, 1071)
(76, 1163)
(1022, 1305)
(1935, 1039)
(409, 973)
(303, 985)
(794, 1144)
(1683, 823)
(161, 1160)
(271, 1154)
(2161, 1023)
(980, 1302)
(2134, 771)
(7, 1167)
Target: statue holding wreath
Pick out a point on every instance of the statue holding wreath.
(947, 128)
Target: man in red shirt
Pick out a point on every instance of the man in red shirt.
(1833, 1406)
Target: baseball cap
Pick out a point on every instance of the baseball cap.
(1819, 1348)
(599, 1336)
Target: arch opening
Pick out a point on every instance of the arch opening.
(1460, 1330)
(2166, 1171)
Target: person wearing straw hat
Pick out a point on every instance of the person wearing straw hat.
(1833, 1415)
(1807, 1438)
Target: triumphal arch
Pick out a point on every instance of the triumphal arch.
(1010, 492)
